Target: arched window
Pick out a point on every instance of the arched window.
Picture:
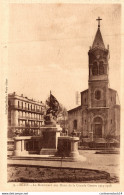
(97, 120)
(101, 68)
(95, 69)
(75, 124)
(98, 94)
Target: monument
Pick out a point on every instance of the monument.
(51, 130)
(48, 142)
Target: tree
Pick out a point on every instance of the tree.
(109, 137)
(63, 117)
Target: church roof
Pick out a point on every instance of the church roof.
(98, 41)
(75, 109)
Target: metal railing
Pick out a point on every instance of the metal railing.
(26, 108)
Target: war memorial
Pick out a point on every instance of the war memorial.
(39, 157)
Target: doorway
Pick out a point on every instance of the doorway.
(98, 125)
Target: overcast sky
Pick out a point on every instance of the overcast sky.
(48, 48)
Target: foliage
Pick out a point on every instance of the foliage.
(109, 137)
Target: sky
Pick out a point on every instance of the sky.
(48, 48)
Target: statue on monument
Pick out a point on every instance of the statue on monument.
(52, 111)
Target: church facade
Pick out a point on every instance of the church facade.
(99, 112)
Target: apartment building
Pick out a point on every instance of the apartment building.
(24, 112)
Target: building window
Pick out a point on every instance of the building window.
(98, 94)
(85, 121)
(22, 104)
(28, 106)
(85, 100)
(18, 104)
(9, 121)
(101, 68)
(95, 69)
(75, 124)
(111, 121)
(9, 103)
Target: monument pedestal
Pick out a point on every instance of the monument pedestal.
(50, 139)
(68, 147)
(19, 146)
(21, 143)
(74, 147)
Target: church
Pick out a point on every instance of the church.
(99, 112)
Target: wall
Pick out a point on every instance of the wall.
(84, 98)
(75, 115)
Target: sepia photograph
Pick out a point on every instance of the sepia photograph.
(64, 93)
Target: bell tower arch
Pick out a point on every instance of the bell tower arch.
(98, 71)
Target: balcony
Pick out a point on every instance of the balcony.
(21, 117)
(15, 107)
(29, 118)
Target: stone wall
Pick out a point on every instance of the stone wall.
(75, 115)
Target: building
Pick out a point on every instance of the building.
(99, 112)
(24, 113)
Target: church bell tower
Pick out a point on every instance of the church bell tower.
(98, 72)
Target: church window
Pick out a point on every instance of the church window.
(75, 124)
(98, 120)
(95, 69)
(101, 68)
(98, 94)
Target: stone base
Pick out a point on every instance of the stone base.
(48, 151)
(20, 153)
(78, 158)
(74, 154)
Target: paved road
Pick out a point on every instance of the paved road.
(104, 162)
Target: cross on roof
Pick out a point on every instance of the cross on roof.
(98, 21)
